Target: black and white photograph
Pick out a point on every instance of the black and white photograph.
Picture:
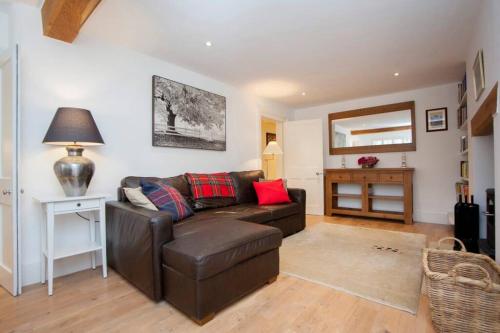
(437, 119)
(187, 117)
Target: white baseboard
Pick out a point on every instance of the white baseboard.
(430, 217)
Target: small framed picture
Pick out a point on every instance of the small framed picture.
(270, 137)
(436, 119)
(479, 81)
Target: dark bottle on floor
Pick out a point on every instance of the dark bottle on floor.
(460, 215)
(468, 229)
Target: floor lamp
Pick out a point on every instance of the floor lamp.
(273, 148)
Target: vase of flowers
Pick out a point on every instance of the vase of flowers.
(367, 161)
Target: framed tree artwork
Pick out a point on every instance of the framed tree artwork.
(436, 119)
(187, 117)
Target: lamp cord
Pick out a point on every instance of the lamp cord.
(83, 217)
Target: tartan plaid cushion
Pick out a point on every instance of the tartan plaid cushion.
(214, 185)
(167, 198)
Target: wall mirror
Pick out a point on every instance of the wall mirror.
(378, 129)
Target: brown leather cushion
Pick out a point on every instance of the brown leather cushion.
(243, 184)
(245, 212)
(213, 246)
(284, 210)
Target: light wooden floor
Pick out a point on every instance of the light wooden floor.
(84, 302)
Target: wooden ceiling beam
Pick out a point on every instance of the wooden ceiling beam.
(482, 122)
(63, 19)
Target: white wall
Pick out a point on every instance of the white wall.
(485, 151)
(4, 27)
(436, 160)
(115, 84)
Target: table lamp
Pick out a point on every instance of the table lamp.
(73, 128)
(272, 148)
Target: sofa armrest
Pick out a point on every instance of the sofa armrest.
(134, 237)
(298, 195)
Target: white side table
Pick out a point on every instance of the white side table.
(95, 204)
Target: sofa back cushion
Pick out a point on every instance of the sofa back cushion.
(211, 190)
(243, 184)
(178, 182)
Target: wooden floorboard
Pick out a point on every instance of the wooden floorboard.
(84, 302)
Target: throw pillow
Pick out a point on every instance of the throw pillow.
(137, 198)
(271, 193)
(212, 190)
(262, 180)
(167, 198)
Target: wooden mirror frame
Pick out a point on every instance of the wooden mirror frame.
(400, 147)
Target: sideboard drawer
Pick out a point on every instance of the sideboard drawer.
(340, 176)
(367, 176)
(391, 177)
(76, 205)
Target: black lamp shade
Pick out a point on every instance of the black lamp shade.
(73, 126)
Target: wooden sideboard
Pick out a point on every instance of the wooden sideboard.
(367, 178)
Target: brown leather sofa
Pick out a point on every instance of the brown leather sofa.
(209, 260)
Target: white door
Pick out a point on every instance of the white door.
(9, 158)
(303, 160)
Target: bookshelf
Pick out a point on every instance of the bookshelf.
(462, 185)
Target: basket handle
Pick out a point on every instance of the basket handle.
(455, 274)
(463, 249)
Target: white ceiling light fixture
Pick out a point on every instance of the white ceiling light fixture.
(396, 74)
(208, 43)
(303, 93)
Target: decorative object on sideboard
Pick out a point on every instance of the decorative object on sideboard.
(368, 161)
(273, 148)
(73, 128)
(403, 160)
(343, 162)
(270, 137)
(479, 81)
(187, 117)
(436, 119)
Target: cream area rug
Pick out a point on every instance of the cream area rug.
(382, 266)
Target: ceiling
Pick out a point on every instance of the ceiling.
(330, 49)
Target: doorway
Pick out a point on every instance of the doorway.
(9, 162)
(271, 130)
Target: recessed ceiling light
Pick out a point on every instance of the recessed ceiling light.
(208, 43)
(303, 93)
(396, 74)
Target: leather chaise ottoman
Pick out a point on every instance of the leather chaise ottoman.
(216, 263)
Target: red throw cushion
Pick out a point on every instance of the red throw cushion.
(270, 193)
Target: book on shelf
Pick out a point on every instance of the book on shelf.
(462, 189)
(462, 115)
(462, 89)
(464, 145)
(464, 169)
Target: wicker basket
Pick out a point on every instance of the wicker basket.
(463, 290)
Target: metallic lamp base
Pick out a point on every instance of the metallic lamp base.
(74, 172)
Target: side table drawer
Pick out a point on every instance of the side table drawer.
(391, 177)
(340, 176)
(76, 205)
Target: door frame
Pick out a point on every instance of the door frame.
(13, 55)
(279, 128)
